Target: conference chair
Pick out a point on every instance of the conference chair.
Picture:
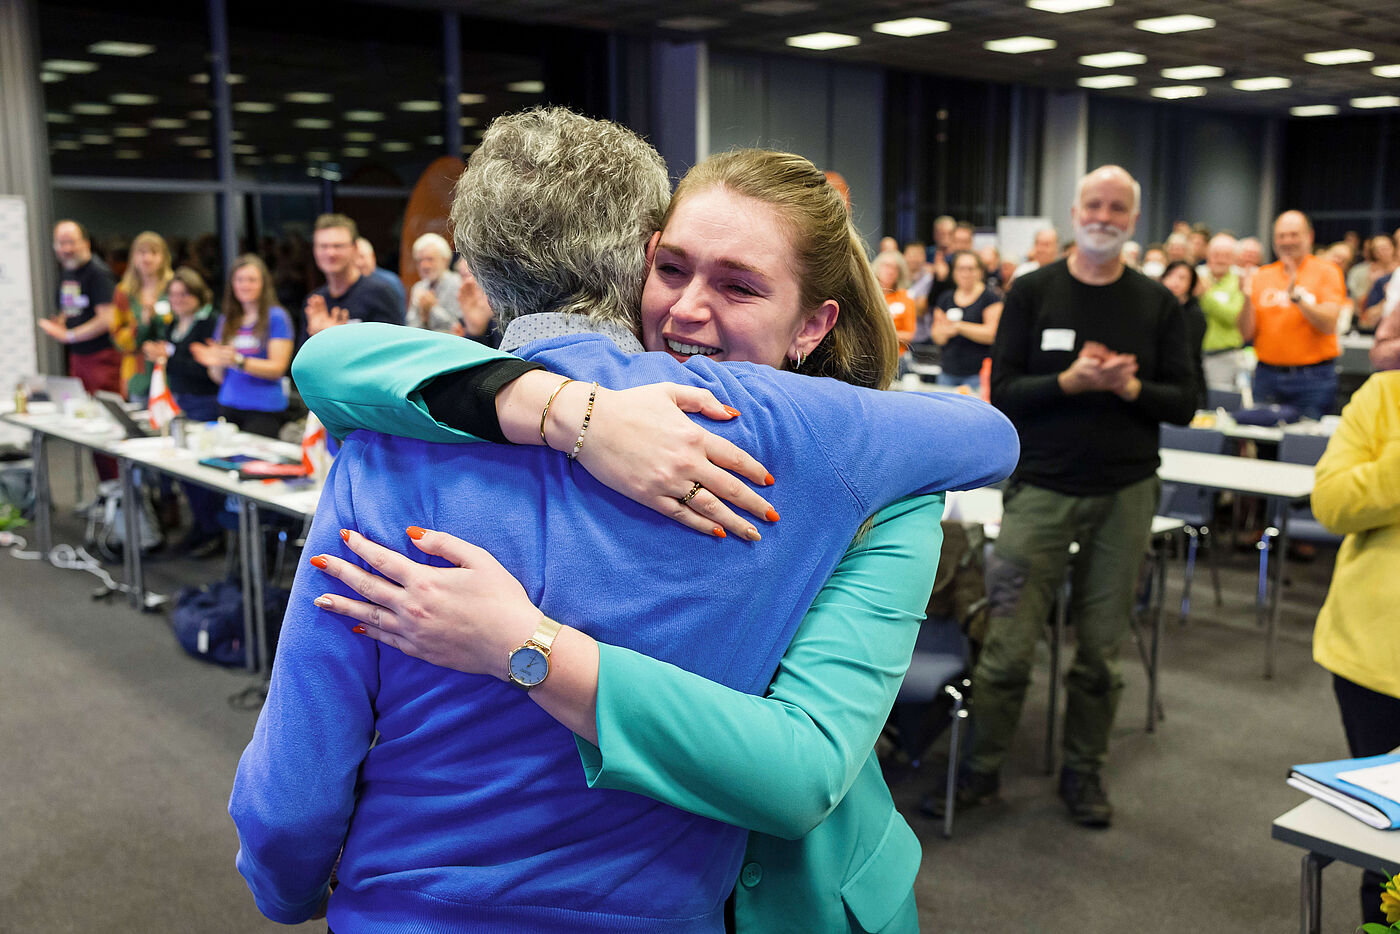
(1296, 448)
(1194, 505)
(1223, 399)
(937, 670)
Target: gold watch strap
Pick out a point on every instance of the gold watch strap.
(544, 634)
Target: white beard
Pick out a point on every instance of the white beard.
(1100, 241)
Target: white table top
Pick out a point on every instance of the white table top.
(103, 435)
(1320, 828)
(1238, 474)
(984, 506)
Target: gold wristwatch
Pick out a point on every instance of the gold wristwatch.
(528, 665)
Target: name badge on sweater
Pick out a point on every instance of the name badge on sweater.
(1057, 339)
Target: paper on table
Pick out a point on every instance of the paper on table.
(1383, 780)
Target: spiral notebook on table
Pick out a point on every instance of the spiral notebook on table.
(1367, 789)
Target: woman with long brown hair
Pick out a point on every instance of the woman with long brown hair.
(251, 350)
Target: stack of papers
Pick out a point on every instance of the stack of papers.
(1368, 789)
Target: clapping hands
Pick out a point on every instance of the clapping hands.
(1099, 369)
(319, 317)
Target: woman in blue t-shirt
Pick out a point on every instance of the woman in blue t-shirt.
(251, 350)
(965, 322)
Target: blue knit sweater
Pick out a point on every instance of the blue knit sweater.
(470, 810)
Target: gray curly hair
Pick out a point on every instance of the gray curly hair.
(553, 214)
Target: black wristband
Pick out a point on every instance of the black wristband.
(466, 399)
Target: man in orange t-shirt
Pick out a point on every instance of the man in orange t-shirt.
(1292, 318)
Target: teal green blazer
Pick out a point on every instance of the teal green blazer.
(829, 852)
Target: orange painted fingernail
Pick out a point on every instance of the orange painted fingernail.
(345, 535)
(359, 629)
(717, 532)
(768, 479)
(319, 561)
(414, 532)
(771, 515)
(732, 411)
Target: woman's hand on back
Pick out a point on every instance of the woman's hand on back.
(467, 617)
(641, 444)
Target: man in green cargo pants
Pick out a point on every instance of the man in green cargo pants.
(1090, 357)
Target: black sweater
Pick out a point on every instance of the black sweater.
(1093, 442)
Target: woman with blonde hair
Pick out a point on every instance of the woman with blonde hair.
(143, 310)
(756, 263)
(251, 350)
(892, 271)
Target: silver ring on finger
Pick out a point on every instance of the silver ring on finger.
(691, 495)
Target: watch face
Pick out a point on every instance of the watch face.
(528, 666)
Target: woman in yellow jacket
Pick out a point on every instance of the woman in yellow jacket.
(1358, 635)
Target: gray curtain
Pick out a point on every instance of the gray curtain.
(24, 153)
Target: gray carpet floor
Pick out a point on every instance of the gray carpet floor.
(118, 753)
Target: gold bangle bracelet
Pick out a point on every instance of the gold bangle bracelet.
(545, 412)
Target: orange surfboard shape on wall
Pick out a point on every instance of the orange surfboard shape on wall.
(427, 211)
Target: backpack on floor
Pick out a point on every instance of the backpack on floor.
(208, 621)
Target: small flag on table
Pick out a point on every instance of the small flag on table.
(313, 446)
(162, 406)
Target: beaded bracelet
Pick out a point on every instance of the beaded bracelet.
(578, 445)
(545, 412)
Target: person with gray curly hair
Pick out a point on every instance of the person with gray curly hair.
(549, 169)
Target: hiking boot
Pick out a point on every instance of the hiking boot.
(1083, 794)
(973, 788)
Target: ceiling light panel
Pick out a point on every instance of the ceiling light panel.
(1104, 82)
(822, 41)
(359, 136)
(911, 26)
(1339, 57)
(308, 97)
(69, 66)
(1270, 83)
(420, 106)
(1179, 91)
(1112, 60)
(131, 132)
(1067, 6)
(133, 100)
(1193, 72)
(166, 123)
(121, 49)
(364, 116)
(254, 107)
(1165, 25)
(50, 77)
(92, 109)
(1314, 110)
(467, 99)
(526, 87)
(1019, 45)
(311, 123)
(1386, 71)
(1370, 103)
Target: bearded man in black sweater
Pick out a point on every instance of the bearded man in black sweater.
(1090, 357)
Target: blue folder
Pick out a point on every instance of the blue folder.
(1320, 780)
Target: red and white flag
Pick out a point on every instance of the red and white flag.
(162, 406)
(313, 447)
